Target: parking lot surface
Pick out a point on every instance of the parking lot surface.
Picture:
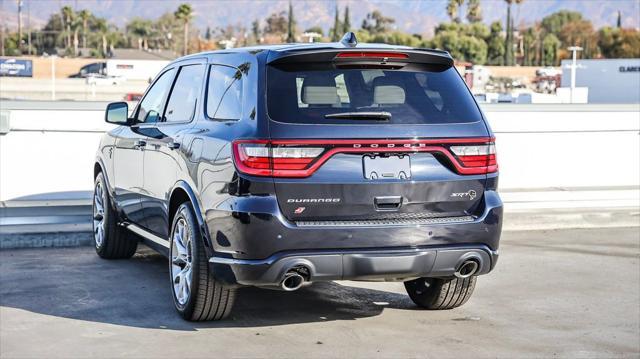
(565, 293)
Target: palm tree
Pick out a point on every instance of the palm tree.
(84, 16)
(67, 18)
(102, 29)
(474, 12)
(184, 14)
(452, 9)
(141, 29)
(508, 53)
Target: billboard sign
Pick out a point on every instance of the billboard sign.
(16, 67)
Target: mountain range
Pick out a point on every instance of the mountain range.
(414, 16)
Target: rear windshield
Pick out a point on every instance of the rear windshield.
(421, 95)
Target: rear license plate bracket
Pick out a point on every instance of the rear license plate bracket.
(394, 167)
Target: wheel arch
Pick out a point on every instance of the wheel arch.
(181, 193)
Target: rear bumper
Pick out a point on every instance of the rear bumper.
(396, 264)
(255, 246)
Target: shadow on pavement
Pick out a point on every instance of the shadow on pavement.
(74, 283)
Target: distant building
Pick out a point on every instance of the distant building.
(608, 80)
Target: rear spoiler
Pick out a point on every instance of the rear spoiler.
(372, 55)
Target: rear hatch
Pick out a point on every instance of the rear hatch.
(361, 135)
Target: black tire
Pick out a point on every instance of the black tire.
(208, 299)
(117, 242)
(438, 294)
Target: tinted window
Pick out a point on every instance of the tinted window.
(184, 96)
(420, 95)
(224, 96)
(152, 105)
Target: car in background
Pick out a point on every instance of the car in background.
(97, 79)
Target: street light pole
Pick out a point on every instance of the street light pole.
(574, 65)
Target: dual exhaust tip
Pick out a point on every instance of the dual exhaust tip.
(295, 278)
(468, 268)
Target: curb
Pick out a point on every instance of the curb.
(515, 220)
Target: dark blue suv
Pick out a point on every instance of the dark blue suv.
(278, 166)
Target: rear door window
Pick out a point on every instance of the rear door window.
(421, 95)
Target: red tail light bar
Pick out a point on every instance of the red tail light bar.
(301, 158)
(370, 54)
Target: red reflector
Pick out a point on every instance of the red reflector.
(390, 55)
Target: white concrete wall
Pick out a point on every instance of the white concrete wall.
(51, 146)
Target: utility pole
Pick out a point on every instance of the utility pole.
(574, 65)
(29, 27)
(20, 26)
(2, 39)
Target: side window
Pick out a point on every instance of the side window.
(184, 96)
(151, 106)
(224, 95)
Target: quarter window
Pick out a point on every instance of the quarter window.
(184, 96)
(224, 95)
(151, 107)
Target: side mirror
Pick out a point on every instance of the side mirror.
(118, 114)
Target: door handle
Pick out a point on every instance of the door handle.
(139, 144)
(173, 145)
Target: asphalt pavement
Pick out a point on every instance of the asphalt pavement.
(556, 293)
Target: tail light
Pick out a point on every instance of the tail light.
(261, 158)
(370, 54)
(301, 158)
(477, 156)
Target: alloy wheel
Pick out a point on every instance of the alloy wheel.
(181, 262)
(99, 201)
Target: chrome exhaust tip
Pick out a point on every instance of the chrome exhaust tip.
(292, 281)
(467, 269)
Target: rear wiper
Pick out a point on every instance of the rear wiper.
(379, 116)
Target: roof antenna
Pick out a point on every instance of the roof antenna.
(349, 40)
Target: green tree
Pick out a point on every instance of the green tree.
(335, 30)
(474, 12)
(346, 23)
(509, 57)
(619, 43)
(68, 16)
(291, 25)
(619, 20)
(184, 14)
(276, 24)
(580, 33)
(84, 16)
(376, 23)
(495, 45)
(550, 47)
(554, 23)
(453, 9)
(464, 42)
(255, 30)
(141, 30)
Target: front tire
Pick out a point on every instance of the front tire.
(439, 294)
(197, 295)
(111, 241)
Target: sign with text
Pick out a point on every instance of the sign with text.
(16, 67)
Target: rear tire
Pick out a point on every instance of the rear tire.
(439, 294)
(197, 295)
(111, 241)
